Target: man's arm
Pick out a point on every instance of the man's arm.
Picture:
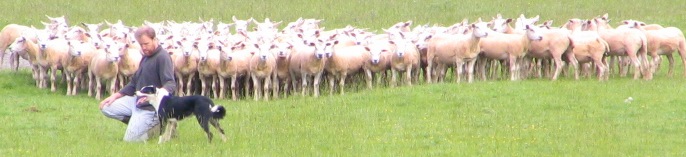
(166, 72)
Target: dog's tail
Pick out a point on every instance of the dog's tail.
(218, 111)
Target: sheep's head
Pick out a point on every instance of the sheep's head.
(114, 51)
(282, 50)
(376, 51)
(522, 21)
(18, 45)
(480, 29)
(500, 25)
(241, 25)
(533, 33)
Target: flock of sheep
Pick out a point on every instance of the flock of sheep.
(294, 59)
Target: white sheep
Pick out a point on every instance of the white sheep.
(24, 44)
(379, 62)
(548, 43)
(103, 67)
(8, 34)
(208, 63)
(455, 49)
(262, 67)
(405, 59)
(80, 55)
(309, 61)
(186, 67)
(662, 42)
(234, 64)
(282, 52)
(343, 62)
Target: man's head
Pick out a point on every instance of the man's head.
(145, 36)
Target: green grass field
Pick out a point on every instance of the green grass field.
(534, 117)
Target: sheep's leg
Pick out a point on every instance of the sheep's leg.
(275, 85)
(90, 83)
(267, 87)
(35, 71)
(429, 65)
(234, 90)
(214, 86)
(470, 71)
(459, 70)
(189, 84)
(77, 79)
(394, 77)
(53, 78)
(408, 75)
(69, 83)
(222, 82)
(203, 86)
(368, 78)
(670, 58)
(558, 66)
(256, 87)
(286, 87)
(332, 80)
(180, 83)
(304, 84)
(341, 84)
(315, 83)
(98, 88)
(113, 85)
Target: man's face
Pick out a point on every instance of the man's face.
(147, 45)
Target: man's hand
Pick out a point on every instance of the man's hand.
(108, 101)
(142, 100)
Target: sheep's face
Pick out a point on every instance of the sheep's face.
(76, 49)
(186, 47)
(265, 50)
(202, 47)
(310, 24)
(282, 50)
(500, 24)
(574, 24)
(480, 29)
(522, 21)
(422, 40)
(322, 49)
(267, 26)
(241, 25)
(114, 51)
(18, 45)
(375, 53)
(43, 37)
(533, 33)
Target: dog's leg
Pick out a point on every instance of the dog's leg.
(204, 123)
(167, 131)
(215, 123)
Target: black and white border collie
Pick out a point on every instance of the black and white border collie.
(171, 109)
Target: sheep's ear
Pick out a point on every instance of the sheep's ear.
(335, 42)
(179, 43)
(642, 24)
(508, 20)
(626, 22)
(195, 44)
(311, 44)
(605, 16)
(126, 46)
(367, 48)
(391, 42)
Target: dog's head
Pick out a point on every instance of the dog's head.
(153, 94)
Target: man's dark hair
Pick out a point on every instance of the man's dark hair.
(145, 30)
